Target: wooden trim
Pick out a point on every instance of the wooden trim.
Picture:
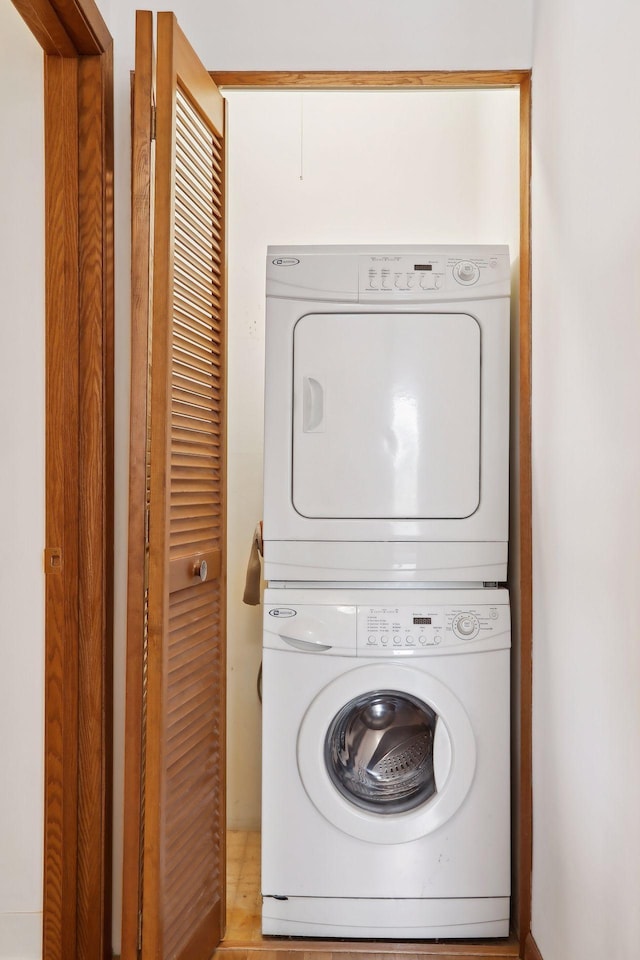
(62, 506)
(337, 80)
(108, 490)
(344, 80)
(83, 23)
(525, 820)
(46, 26)
(68, 28)
(78, 108)
(531, 950)
(224, 312)
(141, 179)
(95, 390)
(290, 949)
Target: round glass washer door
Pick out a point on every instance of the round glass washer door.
(386, 753)
(378, 751)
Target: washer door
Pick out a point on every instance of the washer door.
(386, 753)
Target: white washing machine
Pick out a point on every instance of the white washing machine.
(387, 414)
(385, 809)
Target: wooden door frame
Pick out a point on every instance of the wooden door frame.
(456, 80)
(78, 556)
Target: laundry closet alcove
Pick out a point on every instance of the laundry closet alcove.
(303, 125)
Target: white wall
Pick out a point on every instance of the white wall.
(441, 167)
(287, 35)
(586, 480)
(22, 487)
(353, 35)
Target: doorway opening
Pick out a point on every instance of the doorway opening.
(521, 445)
(348, 166)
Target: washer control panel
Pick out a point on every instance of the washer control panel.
(390, 631)
(426, 277)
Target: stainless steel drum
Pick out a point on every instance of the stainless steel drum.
(379, 751)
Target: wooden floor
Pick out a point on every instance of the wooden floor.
(244, 903)
(244, 941)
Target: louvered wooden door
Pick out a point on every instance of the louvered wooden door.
(174, 843)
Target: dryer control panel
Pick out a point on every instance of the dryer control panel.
(429, 276)
(401, 631)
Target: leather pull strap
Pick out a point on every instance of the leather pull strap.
(253, 579)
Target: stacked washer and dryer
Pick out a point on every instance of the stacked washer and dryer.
(386, 780)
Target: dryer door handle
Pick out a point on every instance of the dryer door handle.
(312, 405)
(305, 645)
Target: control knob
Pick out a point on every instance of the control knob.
(466, 626)
(466, 272)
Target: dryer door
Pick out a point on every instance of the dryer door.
(386, 753)
(386, 419)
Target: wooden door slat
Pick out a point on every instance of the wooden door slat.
(185, 118)
(189, 408)
(202, 164)
(200, 606)
(204, 152)
(209, 327)
(181, 713)
(192, 200)
(194, 176)
(205, 596)
(195, 505)
(191, 322)
(187, 284)
(204, 140)
(199, 167)
(188, 226)
(186, 397)
(186, 241)
(192, 376)
(194, 525)
(201, 145)
(196, 358)
(187, 291)
(198, 442)
(194, 483)
(182, 465)
(185, 265)
(198, 269)
(208, 143)
(185, 492)
(187, 391)
(185, 832)
(197, 192)
(180, 541)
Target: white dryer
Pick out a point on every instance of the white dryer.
(386, 763)
(387, 414)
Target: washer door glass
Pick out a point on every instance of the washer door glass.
(386, 752)
(379, 752)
